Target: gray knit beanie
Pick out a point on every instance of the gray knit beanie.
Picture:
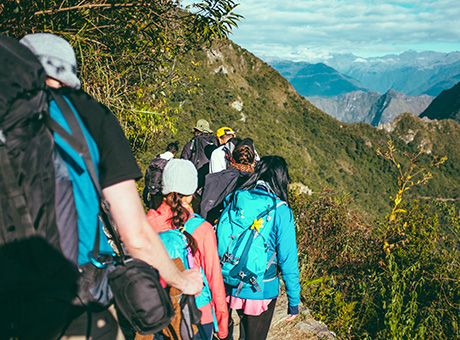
(56, 56)
(180, 175)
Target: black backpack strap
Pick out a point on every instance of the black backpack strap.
(16, 196)
(78, 142)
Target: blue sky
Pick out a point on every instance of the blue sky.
(310, 30)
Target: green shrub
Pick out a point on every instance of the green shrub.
(395, 279)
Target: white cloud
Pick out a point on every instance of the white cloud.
(315, 28)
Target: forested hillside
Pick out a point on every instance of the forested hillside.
(238, 89)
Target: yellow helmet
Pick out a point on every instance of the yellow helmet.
(225, 131)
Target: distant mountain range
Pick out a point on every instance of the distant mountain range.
(317, 79)
(412, 73)
(348, 87)
(371, 107)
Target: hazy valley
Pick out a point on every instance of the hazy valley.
(373, 90)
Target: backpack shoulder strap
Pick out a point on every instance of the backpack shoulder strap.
(280, 203)
(16, 196)
(78, 142)
(77, 139)
(193, 222)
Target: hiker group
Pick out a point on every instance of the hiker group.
(79, 256)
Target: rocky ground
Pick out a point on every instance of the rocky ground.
(304, 327)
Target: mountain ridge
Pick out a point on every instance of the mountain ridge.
(445, 106)
(412, 73)
(317, 79)
(239, 90)
(371, 107)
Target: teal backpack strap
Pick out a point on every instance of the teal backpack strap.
(72, 137)
(205, 297)
(193, 222)
(272, 258)
(190, 225)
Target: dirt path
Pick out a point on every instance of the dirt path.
(304, 327)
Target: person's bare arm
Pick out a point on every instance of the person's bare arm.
(141, 241)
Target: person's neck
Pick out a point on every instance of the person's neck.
(53, 83)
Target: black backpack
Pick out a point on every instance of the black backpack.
(38, 246)
(30, 255)
(153, 175)
(201, 148)
(28, 144)
(153, 182)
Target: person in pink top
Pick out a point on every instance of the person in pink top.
(180, 181)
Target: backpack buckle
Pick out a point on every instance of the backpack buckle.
(253, 281)
(98, 263)
(228, 258)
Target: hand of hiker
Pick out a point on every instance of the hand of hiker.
(195, 282)
(291, 317)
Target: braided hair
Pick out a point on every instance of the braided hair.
(243, 154)
(180, 216)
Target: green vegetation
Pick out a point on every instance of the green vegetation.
(376, 260)
(237, 89)
(127, 51)
(397, 278)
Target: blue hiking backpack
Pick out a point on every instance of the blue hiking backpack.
(243, 239)
(176, 245)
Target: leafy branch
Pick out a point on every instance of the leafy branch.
(408, 177)
(128, 51)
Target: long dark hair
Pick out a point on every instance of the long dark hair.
(180, 216)
(274, 171)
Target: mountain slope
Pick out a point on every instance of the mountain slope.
(241, 91)
(351, 107)
(392, 104)
(317, 79)
(446, 105)
(371, 107)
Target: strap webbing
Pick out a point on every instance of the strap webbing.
(23, 222)
(78, 142)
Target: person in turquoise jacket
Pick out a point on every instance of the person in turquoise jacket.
(255, 308)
